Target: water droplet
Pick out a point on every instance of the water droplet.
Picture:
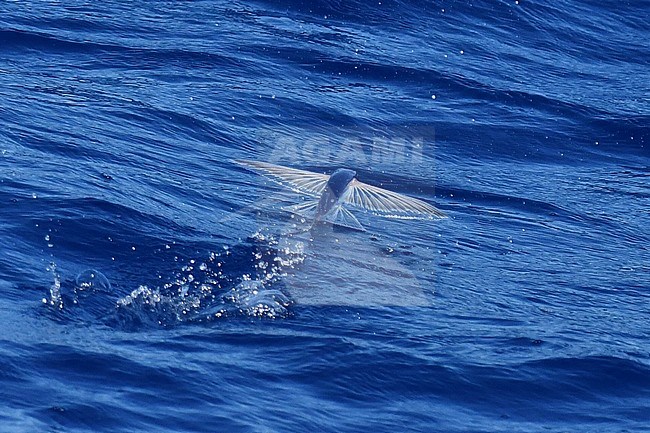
(91, 280)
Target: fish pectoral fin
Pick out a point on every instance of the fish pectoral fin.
(305, 209)
(302, 181)
(340, 216)
(389, 204)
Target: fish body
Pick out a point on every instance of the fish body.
(335, 193)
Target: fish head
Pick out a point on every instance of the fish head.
(339, 181)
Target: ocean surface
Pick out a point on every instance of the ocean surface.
(148, 283)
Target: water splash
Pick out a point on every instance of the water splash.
(88, 298)
(55, 300)
(243, 281)
(90, 283)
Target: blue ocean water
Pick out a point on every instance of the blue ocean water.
(149, 283)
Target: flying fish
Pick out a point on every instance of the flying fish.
(331, 195)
